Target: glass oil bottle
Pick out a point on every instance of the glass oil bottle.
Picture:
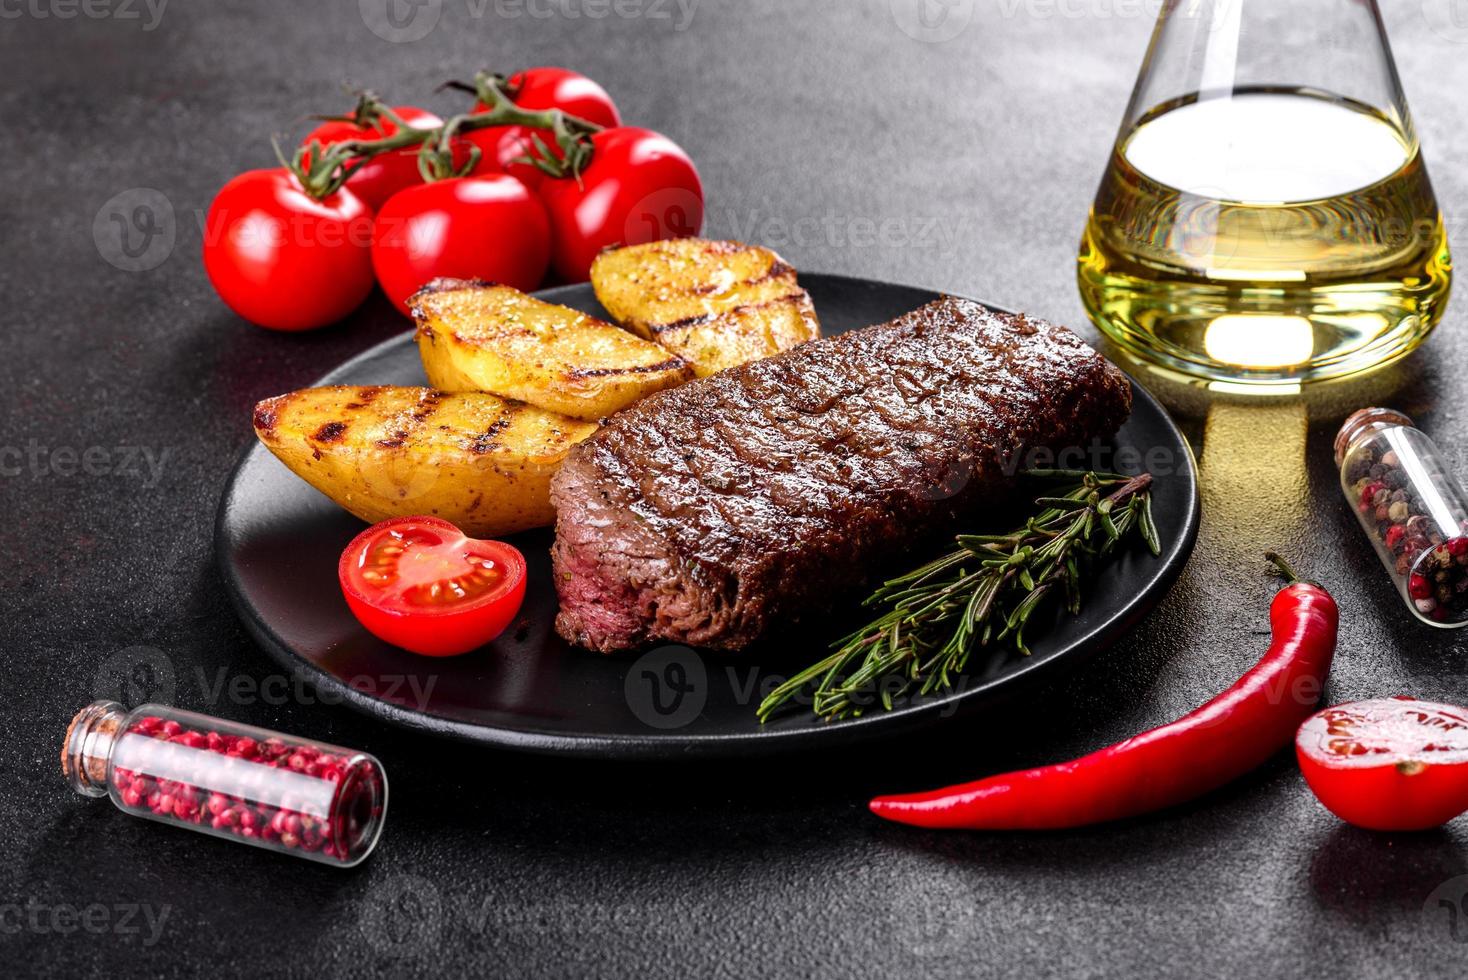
(1266, 217)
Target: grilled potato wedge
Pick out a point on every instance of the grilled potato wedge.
(479, 337)
(717, 304)
(478, 460)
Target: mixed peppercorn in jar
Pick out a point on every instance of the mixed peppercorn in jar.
(1412, 509)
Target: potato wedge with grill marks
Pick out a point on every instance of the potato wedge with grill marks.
(478, 460)
(480, 337)
(717, 304)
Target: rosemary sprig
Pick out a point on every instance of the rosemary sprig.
(984, 592)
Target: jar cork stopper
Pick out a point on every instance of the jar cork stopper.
(1364, 421)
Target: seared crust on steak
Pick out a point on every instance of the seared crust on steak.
(713, 512)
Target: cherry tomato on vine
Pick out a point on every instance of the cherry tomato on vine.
(1388, 764)
(383, 176)
(282, 259)
(420, 584)
(489, 228)
(564, 89)
(639, 187)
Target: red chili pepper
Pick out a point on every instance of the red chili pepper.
(1225, 738)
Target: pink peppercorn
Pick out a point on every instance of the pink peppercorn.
(1419, 588)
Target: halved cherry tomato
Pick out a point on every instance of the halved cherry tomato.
(1388, 764)
(383, 176)
(564, 89)
(639, 187)
(282, 259)
(419, 583)
(489, 228)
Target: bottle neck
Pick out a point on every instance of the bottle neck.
(88, 747)
(1362, 424)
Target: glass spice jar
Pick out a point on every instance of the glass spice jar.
(315, 801)
(1412, 509)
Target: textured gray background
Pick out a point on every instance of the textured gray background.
(980, 155)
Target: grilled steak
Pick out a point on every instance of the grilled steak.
(711, 513)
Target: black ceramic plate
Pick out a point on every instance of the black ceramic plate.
(278, 542)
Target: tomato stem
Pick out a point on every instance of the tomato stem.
(323, 170)
(572, 133)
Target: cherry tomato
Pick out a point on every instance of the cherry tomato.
(282, 259)
(383, 176)
(564, 89)
(639, 187)
(500, 147)
(489, 228)
(1388, 764)
(420, 584)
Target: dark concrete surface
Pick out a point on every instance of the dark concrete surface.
(820, 128)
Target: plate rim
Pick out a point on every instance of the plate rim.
(664, 745)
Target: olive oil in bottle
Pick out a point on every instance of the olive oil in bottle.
(1266, 236)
